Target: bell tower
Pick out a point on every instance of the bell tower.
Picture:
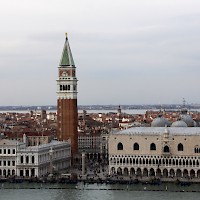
(67, 112)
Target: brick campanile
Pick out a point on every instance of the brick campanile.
(67, 112)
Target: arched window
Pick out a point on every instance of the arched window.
(180, 147)
(33, 159)
(166, 149)
(136, 146)
(152, 146)
(120, 146)
(27, 159)
(22, 159)
(68, 87)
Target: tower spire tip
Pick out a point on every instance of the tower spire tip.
(66, 34)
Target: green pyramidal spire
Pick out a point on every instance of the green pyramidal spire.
(67, 59)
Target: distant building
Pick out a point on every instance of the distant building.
(104, 144)
(89, 142)
(33, 138)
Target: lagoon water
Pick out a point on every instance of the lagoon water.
(39, 191)
(68, 194)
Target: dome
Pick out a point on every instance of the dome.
(160, 122)
(179, 123)
(188, 120)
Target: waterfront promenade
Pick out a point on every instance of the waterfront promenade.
(98, 173)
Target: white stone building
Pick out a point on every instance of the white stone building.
(18, 159)
(156, 151)
(8, 154)
(43, 159)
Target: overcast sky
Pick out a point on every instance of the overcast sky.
(125, 51)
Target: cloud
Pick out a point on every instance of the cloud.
(125, 52)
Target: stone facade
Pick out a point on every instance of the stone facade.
(18, 159)
(43, 159)
(8, 153)
(155, 151)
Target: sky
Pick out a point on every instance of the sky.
(125, 51)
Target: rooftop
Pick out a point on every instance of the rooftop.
(160, 131)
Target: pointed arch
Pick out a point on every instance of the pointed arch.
(119, 146)
(166, 149)
(180, 147)
(132, 171)
(145, 172)
(152, 146)
(126, 171)
(136, 146)
(172, 173)
(192, 173)
(178, 173)
(165, 173)
(152, 172)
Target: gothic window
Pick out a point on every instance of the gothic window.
(61, 88)
(152, 146)
(196, 149)
(120, 146)
(166, 149)
(136, 146)
(180, 147)
(68, 87)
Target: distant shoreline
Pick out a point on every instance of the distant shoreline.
(106, 107)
